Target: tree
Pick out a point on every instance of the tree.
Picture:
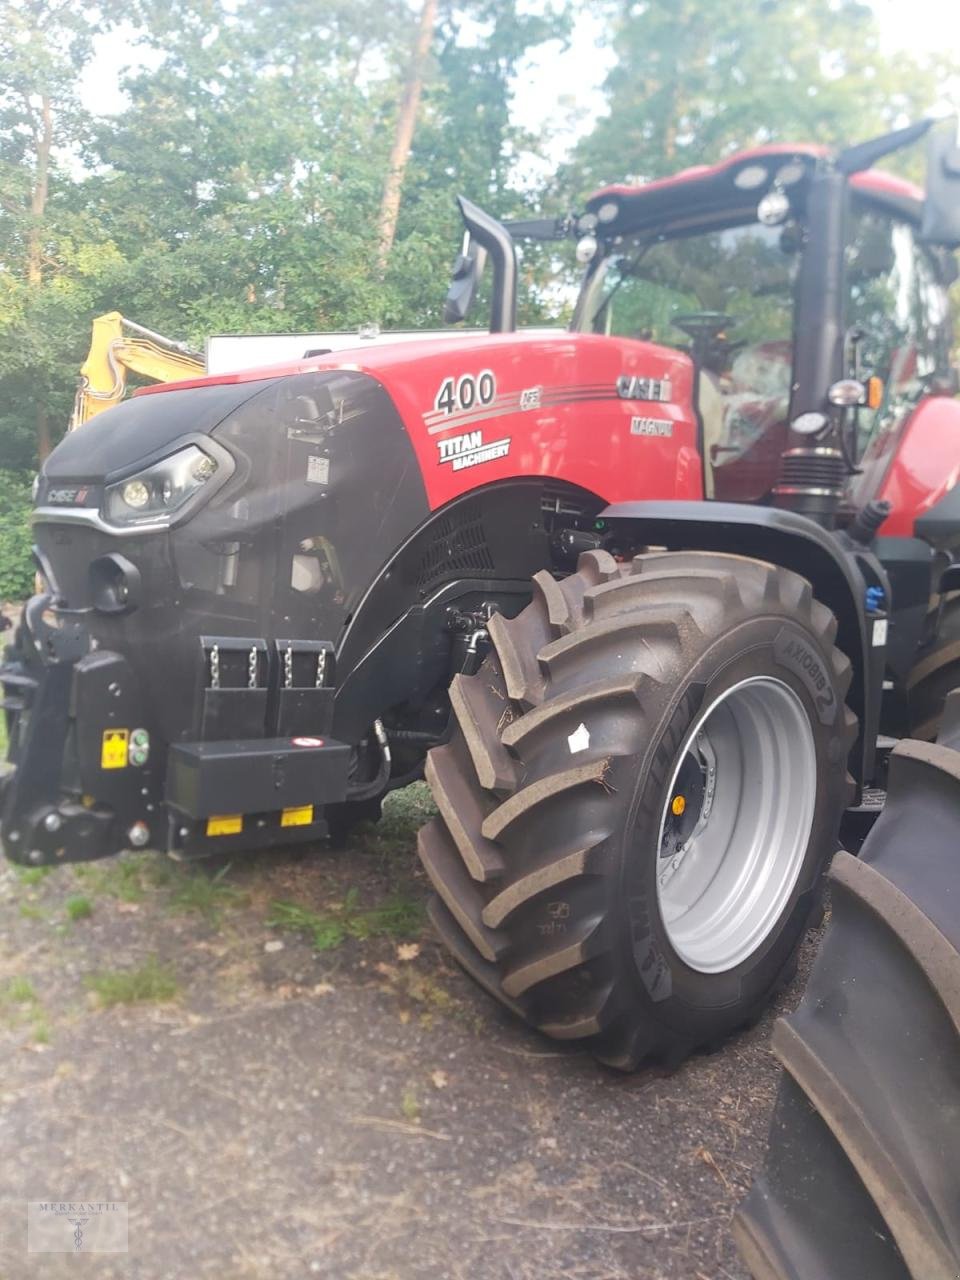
(695, 80)
(244, 186)
(44, 45)
(467, 142)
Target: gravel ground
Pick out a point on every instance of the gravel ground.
(314, 1089)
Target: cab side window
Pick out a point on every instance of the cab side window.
(897, 306)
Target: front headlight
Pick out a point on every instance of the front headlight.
(153, 495)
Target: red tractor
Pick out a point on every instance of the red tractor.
(733, 484)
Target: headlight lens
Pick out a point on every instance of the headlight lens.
(153, 495)
(135, 494)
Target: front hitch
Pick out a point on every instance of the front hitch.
(47, 815)
(92, 774)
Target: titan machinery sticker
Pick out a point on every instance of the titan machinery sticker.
(470, 450)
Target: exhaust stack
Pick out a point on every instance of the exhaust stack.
(486, 236)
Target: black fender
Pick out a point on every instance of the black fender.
(483, 547)
(838, 570)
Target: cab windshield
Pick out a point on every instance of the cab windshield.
(726, 297)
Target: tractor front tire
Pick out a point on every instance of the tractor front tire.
(645, 780)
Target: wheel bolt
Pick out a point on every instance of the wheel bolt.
(52, 822)
(138, 835)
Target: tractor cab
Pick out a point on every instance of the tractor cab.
(714, 261)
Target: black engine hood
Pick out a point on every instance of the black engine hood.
(116, 441)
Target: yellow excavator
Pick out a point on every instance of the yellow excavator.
(118, 347)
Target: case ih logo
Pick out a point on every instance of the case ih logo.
(72, 497)
(631, 387)
(469, 450)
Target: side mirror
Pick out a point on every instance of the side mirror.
(941, 208)
(467, 271)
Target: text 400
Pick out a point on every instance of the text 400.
(466, 391)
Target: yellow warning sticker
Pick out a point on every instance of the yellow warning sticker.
(113, 748)
(301, 817)
(229, 824)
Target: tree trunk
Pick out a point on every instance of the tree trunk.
(38, 197)
(43, 434)
(403, 135)
(38, 207)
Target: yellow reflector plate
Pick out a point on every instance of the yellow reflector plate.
(301, 817)
(113, 748)
(225, 825)
(678, 806)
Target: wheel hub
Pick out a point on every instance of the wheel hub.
(736, 823)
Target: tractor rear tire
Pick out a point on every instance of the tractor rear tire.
(935, 675)
(684, 713)
(864, 1162)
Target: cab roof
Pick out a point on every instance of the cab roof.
(705, 194)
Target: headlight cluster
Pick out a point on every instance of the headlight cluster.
(155, 494)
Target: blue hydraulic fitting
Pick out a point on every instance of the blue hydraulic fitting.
(874, 599)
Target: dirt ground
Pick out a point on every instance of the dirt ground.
(279, 1071)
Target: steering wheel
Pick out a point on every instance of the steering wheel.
(702, 326)
(709, 345)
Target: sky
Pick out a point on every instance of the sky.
(560, 88)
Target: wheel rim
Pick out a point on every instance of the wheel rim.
(735, 823)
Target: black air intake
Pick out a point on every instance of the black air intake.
(812, 479)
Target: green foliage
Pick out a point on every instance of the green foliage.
(396, 917)
(16, 565)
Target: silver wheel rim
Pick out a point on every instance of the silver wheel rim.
(728, 861)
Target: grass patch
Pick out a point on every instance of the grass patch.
(134, 877)
(150, 981)
(17, 990)
(396, 917)
(30, 911)
(31, 876)
(122, 879)
(410, 1106)
(197, 891)
(128, 878)
(78, 907)
(19, 1005)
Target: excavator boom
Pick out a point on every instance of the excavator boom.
(118, 347)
